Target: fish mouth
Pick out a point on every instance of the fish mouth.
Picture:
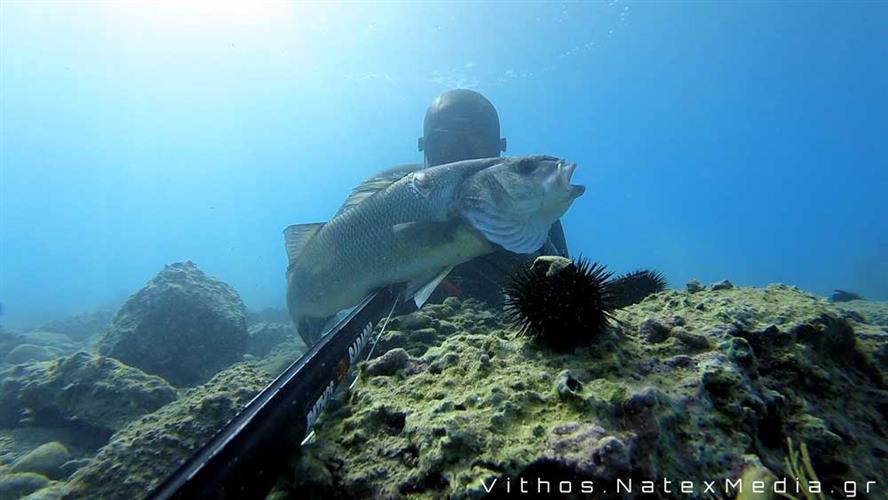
(565, 172)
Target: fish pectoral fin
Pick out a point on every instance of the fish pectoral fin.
(296, 236)
(420, 290)
(425, 233)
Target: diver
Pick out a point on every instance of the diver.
(461, 125)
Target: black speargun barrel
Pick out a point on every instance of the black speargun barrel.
(246, 457)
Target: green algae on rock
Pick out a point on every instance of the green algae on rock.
(18, 485)
(23, 353)
(143, 453)
(82, 326)
(46, 459)
(183, 326)
(479, 404)
(83, 388)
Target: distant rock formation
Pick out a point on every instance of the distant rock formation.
(183, 326)
(82, 326)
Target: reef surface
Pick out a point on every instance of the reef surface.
(699, 385)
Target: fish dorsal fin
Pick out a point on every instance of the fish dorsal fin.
(376, 184)
(420, 290)
(296, 236)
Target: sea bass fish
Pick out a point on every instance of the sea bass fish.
(413, 225)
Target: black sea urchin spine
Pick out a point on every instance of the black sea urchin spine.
(632, 288)
(562, 308)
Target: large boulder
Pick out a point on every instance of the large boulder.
(83, 388)
(183, 326)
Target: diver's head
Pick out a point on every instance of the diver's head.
(460, 125)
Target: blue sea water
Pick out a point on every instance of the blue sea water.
(739, 140)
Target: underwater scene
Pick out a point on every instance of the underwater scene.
(598, 250)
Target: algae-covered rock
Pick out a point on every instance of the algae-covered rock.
(23, 353)
(867, 311)
(8, 342)
(53, 340)
(389, 363)
(83, 388)
(282, 356)
(264, 337)
(46, 459)
(183, 326)
(142, 454)
(18, 485)
(82, 326)
(711, 394)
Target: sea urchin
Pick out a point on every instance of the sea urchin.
(560, 303)
(632, 288)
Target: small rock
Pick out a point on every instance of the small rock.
(722, 285)
(22, 484)
(553, 264)
(71, 466)
(843, 296)
(46, 459)
(852, 316)
(678, 320)
(694, 286)
(640, 401)
(700, 307)
(613, 455)
(415, 321)
(567, 385)
(680, 361)
(263, 337)
(740, 352)
(452, 302)
(446, 328)
(424, 335)
(721, 381)
(389, 363)
(689, 339)
(653, 331)
(586, 451)
(485, 360)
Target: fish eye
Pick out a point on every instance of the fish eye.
(421, 183)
